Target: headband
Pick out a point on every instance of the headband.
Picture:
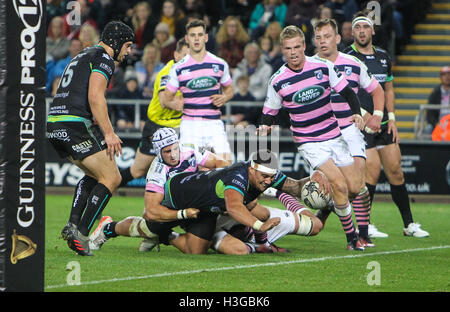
(362, 19)
(262, 168)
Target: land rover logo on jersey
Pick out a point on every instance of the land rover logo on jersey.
(201, 83)
(308, 95)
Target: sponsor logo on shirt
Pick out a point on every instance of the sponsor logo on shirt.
(201, 83)
(308, 95)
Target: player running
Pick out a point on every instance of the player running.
(205, 82)
(78, 127)
(303, 86)
(382, 147)
(326, 39)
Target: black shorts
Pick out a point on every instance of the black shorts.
(204, 227)
(378, 139)
(77, 139)
(146, 145)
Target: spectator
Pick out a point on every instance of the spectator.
(117, 82)
(144, 24)
(55, 8)
(88, 36)
(125, 113)
(54, 75)
(164, 41)
(301, 12)
(147, 69)
(256, 69)
(264, 13)
(272, 56)
(231, 39)
(242, 115)
(242, 9)
(57, 44)
(343, 10)
(346, 35)
(439, 96)
(171, 15)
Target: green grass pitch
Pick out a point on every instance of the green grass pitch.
(315, 264)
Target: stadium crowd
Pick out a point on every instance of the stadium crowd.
(243, 32)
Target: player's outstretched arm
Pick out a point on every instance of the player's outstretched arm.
(294, 187)
(237, 210)
(156, 212)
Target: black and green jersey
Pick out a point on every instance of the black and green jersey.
(205, 190)
(71, 97)
(379, 65)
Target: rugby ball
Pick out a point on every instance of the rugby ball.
(313, 197)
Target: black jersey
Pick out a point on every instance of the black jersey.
(205, 190)
(379, 65)
(71, 97)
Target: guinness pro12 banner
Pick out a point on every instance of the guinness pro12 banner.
(22, 144)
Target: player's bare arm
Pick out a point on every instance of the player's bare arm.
(220, 99)
(294, 187)
(237, 210)
(99, 108)
(215, 161)
(390, 106)
(175, 102)
(373, 122)
(156, 212)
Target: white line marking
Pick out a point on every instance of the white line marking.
(248, 266)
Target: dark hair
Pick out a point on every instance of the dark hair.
(180, 44)
(196, 23)
(265, 157)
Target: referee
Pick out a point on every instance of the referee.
(382, 146)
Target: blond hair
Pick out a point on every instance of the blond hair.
(146, 52)
(241, 34)
(290, 32)
(134, 19)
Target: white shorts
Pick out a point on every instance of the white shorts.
(286, 226)
(317, 153)
(355, 141)
(205, 133)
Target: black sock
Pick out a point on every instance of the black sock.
(126, 176)
(97, 201)
(110, 230)
(82, 191)
(401, 199)
(371, 189)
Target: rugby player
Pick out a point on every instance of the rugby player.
(170, 161)
(303, 87)
(205, 82)
(160, 113)
(78, 127)
(327, 39)
(382, 147)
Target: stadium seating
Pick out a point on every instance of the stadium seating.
(417, 69)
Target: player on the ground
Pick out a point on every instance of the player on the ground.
(382, 147)
(303, 86)
(160, 113)
(205, 82)
(327, 39)
(78, 127)
(171, 160)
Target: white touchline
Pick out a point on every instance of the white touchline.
(248, 266)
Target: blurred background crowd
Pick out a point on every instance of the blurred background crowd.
(242, 32)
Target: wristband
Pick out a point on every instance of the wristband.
(391, 116)
(257, 225)
(378, 113)
(363, 111)
(181, 214)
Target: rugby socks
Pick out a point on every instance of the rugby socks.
(290, 202)
(361, 207)
(371, 189)
(126, 176)
(82, 191)
(260, 237)
(344, 213)
(250, 247)
(96, 202)
(401, 199)
(110, 230)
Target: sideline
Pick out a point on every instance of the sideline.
(249, 266)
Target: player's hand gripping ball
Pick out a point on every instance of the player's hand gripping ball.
(313, 197)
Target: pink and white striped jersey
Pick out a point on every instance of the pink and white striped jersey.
(355, 72)
(197, 82)
(306, 95)
(159, 172)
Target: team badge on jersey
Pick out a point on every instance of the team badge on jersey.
(215, 68)
(319, 74)
(348, 70)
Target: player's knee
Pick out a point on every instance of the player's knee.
(340, 187)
